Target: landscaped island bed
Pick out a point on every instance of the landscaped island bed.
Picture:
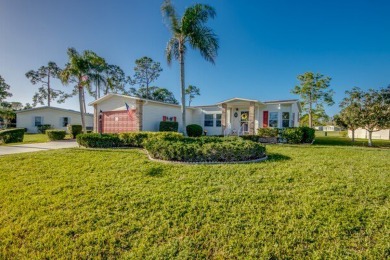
(304, 202)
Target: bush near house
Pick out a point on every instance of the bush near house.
(55, 134)
(268, 132)
(292, 135)
(194, 130)
(93, 140)
(205, 149)
(168, 126)
(14, 135)
(137, 139)
(74, 130)
(42, 128)
(308, 134)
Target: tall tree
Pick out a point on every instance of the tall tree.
(191, 92)
(146, 71)
(4, 87)
(189, 29)
(375, 110)
(350, 111)
(313, 90)
(155, 93)
(115, 79)
(319, 117)
(98, 67)
(44, 75)
(79, 71)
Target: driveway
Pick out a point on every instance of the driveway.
(26, 148)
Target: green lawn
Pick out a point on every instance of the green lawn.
(345, 141)
(34, 138)
(304, 202)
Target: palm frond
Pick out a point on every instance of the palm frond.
(172, 50)
(206, 41)
(169, 14)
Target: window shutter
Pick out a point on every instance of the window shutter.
(265, 119)
(174, 119)
(164, 118)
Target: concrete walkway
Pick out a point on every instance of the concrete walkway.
(25, 148)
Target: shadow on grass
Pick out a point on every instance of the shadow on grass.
(274, 157)
(155, 172)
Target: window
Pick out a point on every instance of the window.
(208, 120)
(273, 119)
(38, 121)
(218, 120)
(285, 119)
(65, 121)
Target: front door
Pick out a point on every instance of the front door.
(244, 123)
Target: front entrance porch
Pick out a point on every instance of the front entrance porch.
(240, 116)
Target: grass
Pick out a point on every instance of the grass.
(304, 202)
(34, 138)
(334, 138)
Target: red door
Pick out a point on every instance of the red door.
(265, 119)
(119, 121)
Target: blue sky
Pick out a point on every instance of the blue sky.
(264, 45)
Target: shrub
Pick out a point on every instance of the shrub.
(194, 130)
(137, 139)
(56, 134)
(293, 135)
(205, 149)
(12, 135)
(268, 132)
(253, 138)
(42, 128)
(74, 130)
(344, 133)
(95, 140)
(308, 134)
(168, 126)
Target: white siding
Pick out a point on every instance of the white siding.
(363, 134)
(53, 117)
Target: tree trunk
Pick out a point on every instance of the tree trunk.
(183, 90)
(369, 138)
(48, 89)
(310, 114)
(82, 111)
(353, 135)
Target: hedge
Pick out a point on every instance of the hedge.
(14, 135)
(56, 134)
(268, 132)
(296, 135)
(205, 149)
(194, 130)
(94, 140)
(168, 126)
(42, 128)
(74, 130)
(137, 139)
(132, 139)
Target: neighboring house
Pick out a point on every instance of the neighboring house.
(237, 115)
(327, 128)
(58, 118)
(363, 133)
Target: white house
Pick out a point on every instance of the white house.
(58, 118)
(236, 115)
(363, 133)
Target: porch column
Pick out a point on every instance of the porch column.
(138, 114)
(223, 117)
(252, 118)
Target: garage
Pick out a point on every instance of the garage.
(119, 121)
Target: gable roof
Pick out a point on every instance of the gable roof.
(52, 108)
(110, 95)
(238, 100)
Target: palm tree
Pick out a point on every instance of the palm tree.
(189, 29)
(79, 70)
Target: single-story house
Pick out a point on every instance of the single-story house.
(363, 133)
(327, 128)
(58, 118)
(116, 113)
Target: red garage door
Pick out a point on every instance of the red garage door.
(119, 121)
